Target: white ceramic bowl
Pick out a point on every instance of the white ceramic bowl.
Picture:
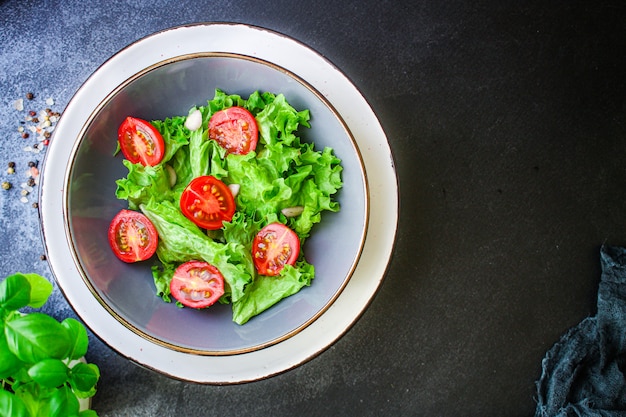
(164, 75)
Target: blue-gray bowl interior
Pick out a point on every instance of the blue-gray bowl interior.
(127, 290)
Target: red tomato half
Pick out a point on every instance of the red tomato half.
(132, 236)
(235, 129)
(275, 246)
(197, 284)
(140, 142)
(207, 202)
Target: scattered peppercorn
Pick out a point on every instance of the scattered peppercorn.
(37, 124)
(43, 257)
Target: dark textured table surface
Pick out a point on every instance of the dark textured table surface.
(507, 121)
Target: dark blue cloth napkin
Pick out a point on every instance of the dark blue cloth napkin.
(584, 374)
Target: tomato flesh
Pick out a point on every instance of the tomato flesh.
(275, 246)
(140, 142)
(207, 202)
(197, 284)
(132, 236)
(235, 129)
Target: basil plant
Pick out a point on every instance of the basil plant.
(42, 370)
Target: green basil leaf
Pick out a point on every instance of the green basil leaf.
(79, 340)
(31, 394)
(21, 377)
(62, 403)
(12, 406)
(37, 336)
(87, 413)
(40, 290)
(9, 363)
(84, 377)
(49, 373)
(14, 292)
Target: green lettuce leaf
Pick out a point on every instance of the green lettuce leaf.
(282, 172)
(143, 183)
(180, 240)
(267, 291)
(175, 135)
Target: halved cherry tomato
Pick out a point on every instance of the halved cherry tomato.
(275, 246)
(132, 236)
(140, 142)
(207, 202)
(197, 284)
(235, 129)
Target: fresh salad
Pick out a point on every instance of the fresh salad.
(225, 197)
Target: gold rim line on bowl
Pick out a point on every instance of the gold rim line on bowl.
(125, 322)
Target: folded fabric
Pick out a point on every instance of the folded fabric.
(584, 374)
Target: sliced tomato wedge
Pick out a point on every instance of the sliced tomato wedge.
(235, 129)
(207, 202)
(197, 284)
(140, 142)
(132, 236)
(275, 246)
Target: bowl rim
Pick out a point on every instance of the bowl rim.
(377, 252)
(69, 233)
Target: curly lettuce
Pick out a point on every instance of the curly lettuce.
(282, 172)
